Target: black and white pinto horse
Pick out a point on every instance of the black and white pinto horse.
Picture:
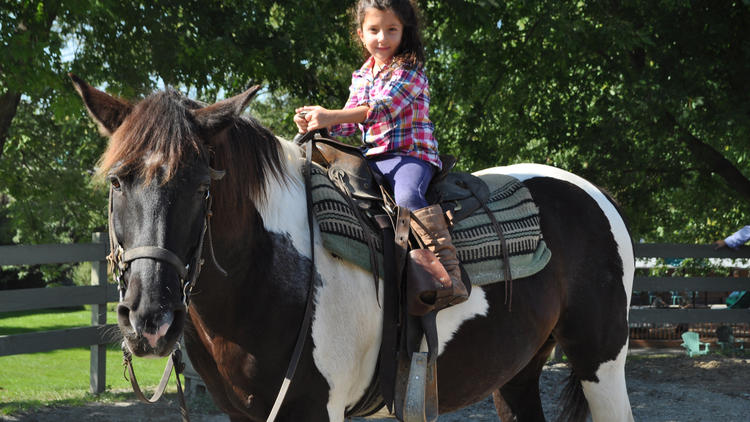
(240, 329)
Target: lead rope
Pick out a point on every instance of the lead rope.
(179, 368)
(305, 326)
(174, 362)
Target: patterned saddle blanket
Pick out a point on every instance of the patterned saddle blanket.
(477, 244)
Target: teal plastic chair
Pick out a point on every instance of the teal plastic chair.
(692, 344)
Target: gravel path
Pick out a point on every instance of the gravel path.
(662, 388)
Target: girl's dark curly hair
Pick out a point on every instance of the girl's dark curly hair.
(410, 53)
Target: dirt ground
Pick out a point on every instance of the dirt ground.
(662, 387)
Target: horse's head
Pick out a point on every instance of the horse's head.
(158, 167)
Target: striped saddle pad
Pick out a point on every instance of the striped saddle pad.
(474, 237)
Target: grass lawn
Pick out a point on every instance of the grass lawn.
(62, 376)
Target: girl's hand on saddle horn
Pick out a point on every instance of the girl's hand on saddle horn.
(300, 121)
(315, 117)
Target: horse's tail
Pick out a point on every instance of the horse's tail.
(574, 405)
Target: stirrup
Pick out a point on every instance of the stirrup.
(420, 403)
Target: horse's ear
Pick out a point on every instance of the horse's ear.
(216, 117)
(107, 111)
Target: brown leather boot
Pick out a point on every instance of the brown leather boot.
(432, 228)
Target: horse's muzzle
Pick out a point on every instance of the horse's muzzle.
(152, 333)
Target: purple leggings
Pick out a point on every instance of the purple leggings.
(407, 176)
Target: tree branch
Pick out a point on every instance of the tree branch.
(8, 106)
(713, 160)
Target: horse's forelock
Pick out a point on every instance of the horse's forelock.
(159, 135)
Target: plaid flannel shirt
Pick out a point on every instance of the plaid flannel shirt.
(398, 120)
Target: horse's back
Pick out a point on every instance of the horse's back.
(569, 200)
(592, 267)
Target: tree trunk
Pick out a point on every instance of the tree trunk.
(40, 30)
(8, 106)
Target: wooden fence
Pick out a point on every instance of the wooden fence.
(97, 294)
(100, 292)
(687, 315)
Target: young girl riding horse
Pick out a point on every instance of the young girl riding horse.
(389, 101)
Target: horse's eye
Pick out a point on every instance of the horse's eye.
(203, 190)
(115, 182)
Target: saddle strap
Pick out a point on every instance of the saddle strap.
(381, 391)
(338, 180)
(506, 256)
(401, 240)
(389, 342)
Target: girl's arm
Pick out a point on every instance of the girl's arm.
(317, 117)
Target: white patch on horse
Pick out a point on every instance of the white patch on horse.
(284, 209)
(449, 320)
(346, 327)
(608, 398)
(619, 230)
(346, 331)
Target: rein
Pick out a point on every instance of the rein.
(119, 260)
(307, 318)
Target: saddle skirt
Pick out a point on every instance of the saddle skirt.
(477, 244)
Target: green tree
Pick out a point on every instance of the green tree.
(649, 100)
(48, 148)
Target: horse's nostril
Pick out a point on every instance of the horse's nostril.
(123, 316)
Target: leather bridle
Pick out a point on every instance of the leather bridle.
(119, 260)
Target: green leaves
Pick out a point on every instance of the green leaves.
(587, 86)
(615, 92)
(206, 48)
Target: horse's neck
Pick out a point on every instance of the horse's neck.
(284, 210)
(232, 246)
(279, 222)
(248, 259)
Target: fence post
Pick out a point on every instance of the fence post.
(98, 368)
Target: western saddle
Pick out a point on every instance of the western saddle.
(406, 380)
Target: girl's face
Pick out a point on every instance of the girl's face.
(381, 33)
